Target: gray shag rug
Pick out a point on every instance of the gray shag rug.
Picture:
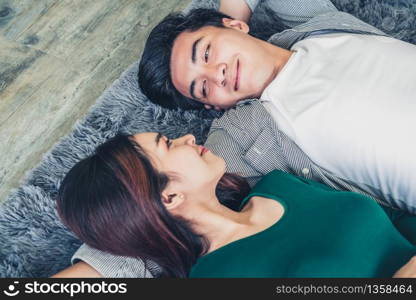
(33, 242)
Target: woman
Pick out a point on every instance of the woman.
(169, 201)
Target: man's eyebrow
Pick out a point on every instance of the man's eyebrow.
(158, 137)
(192, 89)
(194, 48)
(194, 51)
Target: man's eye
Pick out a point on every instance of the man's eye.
(204, 88)
(207, 53)
(168, 142)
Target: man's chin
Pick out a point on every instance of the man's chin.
(231, 104)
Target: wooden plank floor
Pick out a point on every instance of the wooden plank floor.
(56, 58)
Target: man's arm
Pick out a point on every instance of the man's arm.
(78, 270)
(90, 262)
(408, 270)
(295, 12)
(238, 9)
(291, 12)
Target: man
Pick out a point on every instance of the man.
(337, 87)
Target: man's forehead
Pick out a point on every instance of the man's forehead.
(183, 51)
(188, 37)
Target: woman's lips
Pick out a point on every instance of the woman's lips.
(203, 150)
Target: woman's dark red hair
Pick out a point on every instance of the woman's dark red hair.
(112, 202)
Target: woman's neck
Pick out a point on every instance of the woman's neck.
(219, 224)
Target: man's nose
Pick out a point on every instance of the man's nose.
(217, 74)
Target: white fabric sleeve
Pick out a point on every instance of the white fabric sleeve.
(113, 266)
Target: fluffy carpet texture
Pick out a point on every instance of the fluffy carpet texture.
(33, 242)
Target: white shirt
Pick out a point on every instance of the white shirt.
(349, 102)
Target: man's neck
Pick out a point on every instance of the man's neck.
(281, 57)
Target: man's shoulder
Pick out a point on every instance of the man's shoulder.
(244, 113)
(332, 22)
(248, 124)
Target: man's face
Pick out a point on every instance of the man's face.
(221, 66)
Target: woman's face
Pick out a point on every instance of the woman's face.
(194, 168)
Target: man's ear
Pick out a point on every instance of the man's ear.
(172, 200)
(236, 24)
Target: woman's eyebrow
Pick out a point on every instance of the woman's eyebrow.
(158, 137)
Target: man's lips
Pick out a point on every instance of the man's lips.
(237, 75)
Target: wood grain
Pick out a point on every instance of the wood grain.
(56, 58)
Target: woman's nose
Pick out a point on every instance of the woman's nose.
(186, 139)
(190, 139)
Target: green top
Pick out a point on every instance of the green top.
(322, 233)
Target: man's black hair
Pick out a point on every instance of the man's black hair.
(154, 70)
